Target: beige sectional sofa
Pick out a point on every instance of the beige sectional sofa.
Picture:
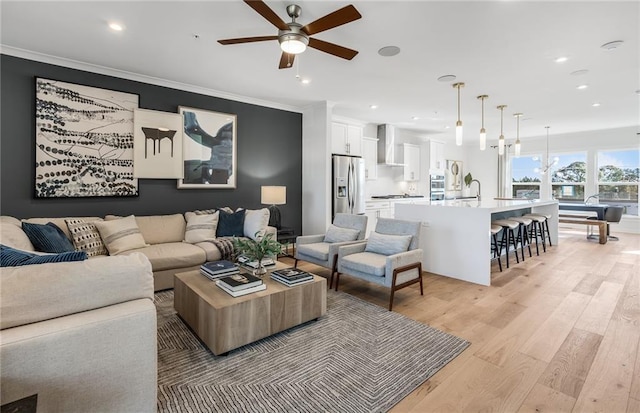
(79, 335)
(164, 234)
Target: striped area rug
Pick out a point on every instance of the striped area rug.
(359, 357)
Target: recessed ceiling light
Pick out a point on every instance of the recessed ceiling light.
(389, 51)
(561, 59)
(116, 26)
(447, 78)
(447, 127)
(582, 87)
(595, 104)
(305, 81)
(612, 45)
(415, 118)
(580, 72)
(373, 106)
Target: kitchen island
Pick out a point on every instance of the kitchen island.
(455, 235)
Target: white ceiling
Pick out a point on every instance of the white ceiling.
(505, 49)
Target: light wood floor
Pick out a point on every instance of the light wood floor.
(557, 333)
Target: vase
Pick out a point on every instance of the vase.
(261, 270)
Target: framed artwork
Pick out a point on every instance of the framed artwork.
(84, 141)
(209, 149)
(157, 144)
(453, 176)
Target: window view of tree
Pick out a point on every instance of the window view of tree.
(525, 180)
(568, 177)
(618, 177)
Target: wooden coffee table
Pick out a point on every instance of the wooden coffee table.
(224, 322)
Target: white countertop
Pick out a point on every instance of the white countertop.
(493, 205)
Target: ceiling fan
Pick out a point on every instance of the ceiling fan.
(294, 38)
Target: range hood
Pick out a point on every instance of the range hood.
(387, 145)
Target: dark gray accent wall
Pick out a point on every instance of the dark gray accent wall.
(269, 150)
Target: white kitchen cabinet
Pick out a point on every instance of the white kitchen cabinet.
(375, 210)
(346, 139)
(411, 162)
(436, 156)
(370, 156)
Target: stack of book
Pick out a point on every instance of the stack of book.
(291, 276)
(217, 269)
(246, 261)
(240, 284)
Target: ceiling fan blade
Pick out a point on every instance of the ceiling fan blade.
(333, 49)
(266, 12)
(247, 39)
(339, 17)
(286, 60)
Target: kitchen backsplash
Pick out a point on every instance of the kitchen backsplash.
(390, 182)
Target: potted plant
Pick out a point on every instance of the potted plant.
(258, 249)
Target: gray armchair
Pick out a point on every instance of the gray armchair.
(390, 257)
(322, 249)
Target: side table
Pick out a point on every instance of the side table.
(287, 238)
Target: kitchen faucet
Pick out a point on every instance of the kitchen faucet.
(479, 188)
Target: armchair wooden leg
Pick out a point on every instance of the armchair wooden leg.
(394, 287)
(295, 264)
(337, 279)
(333, 270)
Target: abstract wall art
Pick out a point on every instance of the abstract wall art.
(157, 144)
(84, 141)
(209, 149)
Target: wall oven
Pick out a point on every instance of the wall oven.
(436, 187)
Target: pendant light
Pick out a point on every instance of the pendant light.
(501, 139)
(517, 147)
(547, 163)
(459, 122)
(483, 132)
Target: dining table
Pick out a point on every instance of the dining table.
(599, 209)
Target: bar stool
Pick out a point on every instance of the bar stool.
(497, 251)
(523, 233)
(538, 230)
(508, 236)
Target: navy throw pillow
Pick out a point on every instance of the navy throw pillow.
(230, 224)
(47, 238)
(11, 257)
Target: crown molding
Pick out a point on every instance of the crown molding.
(103, 70)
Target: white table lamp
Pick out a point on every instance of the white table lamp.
(272, 196)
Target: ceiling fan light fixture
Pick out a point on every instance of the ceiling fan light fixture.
(293, 43)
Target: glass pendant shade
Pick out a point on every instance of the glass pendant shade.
(517, 148)
(459, 133)
(483, 139)
(517, 145)
(501, 145)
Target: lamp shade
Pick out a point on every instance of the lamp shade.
(273, 195)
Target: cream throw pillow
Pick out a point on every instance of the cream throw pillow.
(201, 227)
(121, 235)
(256, 221)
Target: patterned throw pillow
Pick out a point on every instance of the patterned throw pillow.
(201, 227)
(339, 234)
(11, 257)
(47, 238)
(121, 235)
(86, 237)
(387, 244)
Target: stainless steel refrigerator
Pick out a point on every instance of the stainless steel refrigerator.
(348, 185)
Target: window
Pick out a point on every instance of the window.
(525, 180)
(618, 176)
(568, 176)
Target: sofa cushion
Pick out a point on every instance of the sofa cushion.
(366, 262)
(171, 255)
(255, 223)
(158, 229)
(317, 250)
(339, 234)
(200, 227)
(11, 234)
(212, 253)
(86, 237)
(41, 292)
(231, 224)
(47, 238)
(11, 257)
(61, 222)
(387, 244)
(121, 235)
